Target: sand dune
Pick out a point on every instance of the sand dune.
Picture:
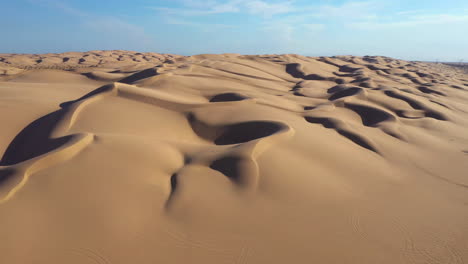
(126, 157)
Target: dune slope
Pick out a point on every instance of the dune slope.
(124, 157)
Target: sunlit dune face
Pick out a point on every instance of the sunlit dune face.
(232, 159)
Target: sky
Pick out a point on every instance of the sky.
(430, 30)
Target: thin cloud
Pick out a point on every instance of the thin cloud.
(282, 19)
(268, 10)
(272, 11)
(348, 10)
(256, 7)
(60, 5)
(196, 12)
(104, 24)
(182, 22)
(411, 21)
(410, 12)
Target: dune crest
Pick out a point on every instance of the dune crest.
(127, 157)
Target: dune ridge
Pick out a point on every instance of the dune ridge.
(125, 157)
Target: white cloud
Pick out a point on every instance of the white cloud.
(274, 10)
(183, 22)
(289, 16)
(348, 10)
(266, 9)
(215, 9)
(293, 22)
(255, 7)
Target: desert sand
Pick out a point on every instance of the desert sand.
(116, 157)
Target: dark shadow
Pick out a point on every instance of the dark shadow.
(293, 70)
(99, 90)
(329, 123)
(296, 87)
(336, 88)
(360, 79)
(458, 87)
(325, 122)
(227, 97)
(436, 116)
(418, 106)
(367, 85)
(345, 93)
(340, 81)
(411, 102)
(429, 91)
(356, 139)
(345, 74)
(314, 77)
(228, 166)
(422, 75)
(173, 183)
(439, 103)
(247, 131)
(373, 67)
(370, 116)
(348, 68)
(202, 129)
(5, 175)
(139, 76)
(34, 140)
(89, 75)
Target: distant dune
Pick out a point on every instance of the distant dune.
(126, 157)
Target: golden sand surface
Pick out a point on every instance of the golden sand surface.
(116, 157)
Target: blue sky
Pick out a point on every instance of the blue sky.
(407, 29)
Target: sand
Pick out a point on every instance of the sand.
(125, 157)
